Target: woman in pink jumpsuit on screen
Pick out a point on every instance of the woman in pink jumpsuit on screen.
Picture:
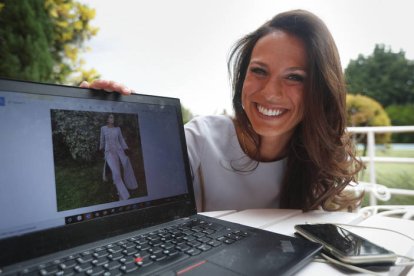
(114, 145)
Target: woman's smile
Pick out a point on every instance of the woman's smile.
(276, 112)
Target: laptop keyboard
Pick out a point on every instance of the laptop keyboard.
(143, 252)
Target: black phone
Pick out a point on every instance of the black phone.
(346, 246)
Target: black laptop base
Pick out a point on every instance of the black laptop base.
(197, 245)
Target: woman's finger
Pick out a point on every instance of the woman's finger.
(84, 84)
(107, 85)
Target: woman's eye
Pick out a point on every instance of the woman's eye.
(296, 77)
(258, 71)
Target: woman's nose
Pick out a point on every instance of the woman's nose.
(273, 89)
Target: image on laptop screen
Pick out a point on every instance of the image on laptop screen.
(66, 160)
(98, 158)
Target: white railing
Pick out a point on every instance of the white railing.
(378, 191)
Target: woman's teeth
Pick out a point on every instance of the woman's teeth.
(269, 112)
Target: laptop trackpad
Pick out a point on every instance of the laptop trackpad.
(204, 268)
(257, 256)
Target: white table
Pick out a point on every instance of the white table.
(283, 220)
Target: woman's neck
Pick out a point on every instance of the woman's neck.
(271, 148)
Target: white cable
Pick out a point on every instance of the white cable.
(352, 267)
(322, 260)
(405, 263)
(375, 228)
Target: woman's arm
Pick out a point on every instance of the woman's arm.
(121, 139)
(102, 139)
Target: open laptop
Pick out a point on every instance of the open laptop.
(66, 207)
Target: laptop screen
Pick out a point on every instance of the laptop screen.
(73, 156)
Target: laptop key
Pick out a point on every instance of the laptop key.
(129, 267)
(179, 241)
(115, 249)
(67, 272)
(158, 256)
(214, 243)
(68, 264)
(129, 251)
(85, 259)
(129, 245)
(194, 243)
(144, 246)
(112, 265)
(100, 261)
(241, 233)
(83, 267)
(49, 270)
(115, 256)
(228, 241)
(193, 251)
(144, 261)
(204, 247)
(95, 271)
(127, 260)
(112, 273)
(100, 254)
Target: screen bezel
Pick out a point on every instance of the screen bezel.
(44, 242)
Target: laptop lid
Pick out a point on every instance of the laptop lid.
(59, 187)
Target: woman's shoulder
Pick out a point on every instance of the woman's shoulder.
(212, 129)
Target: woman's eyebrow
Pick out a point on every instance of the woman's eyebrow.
(256, 62)
(303, 69)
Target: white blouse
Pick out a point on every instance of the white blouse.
(228, 184)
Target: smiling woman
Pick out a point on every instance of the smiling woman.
(286, 147)
(289, 100)
(273, 89)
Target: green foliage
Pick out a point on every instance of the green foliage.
(40, 40)
(77, 133)
(402, 115)
(385, 76)
(26, 34)
(186, 113)
(364, 111)
(393, 175)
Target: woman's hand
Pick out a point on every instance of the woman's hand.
(107, 85)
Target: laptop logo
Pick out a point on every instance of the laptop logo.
(287, 246)
(2, 101)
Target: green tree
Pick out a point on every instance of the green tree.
(40, 40)
(402, 115)
(386, 76)
(365, 111)
(186, 113)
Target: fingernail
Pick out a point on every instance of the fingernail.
(84, 84)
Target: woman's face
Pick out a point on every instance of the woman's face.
(111, 119)
(274, 86)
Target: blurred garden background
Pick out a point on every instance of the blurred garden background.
(47, 41)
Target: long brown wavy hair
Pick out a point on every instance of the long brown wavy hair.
(321, 160)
